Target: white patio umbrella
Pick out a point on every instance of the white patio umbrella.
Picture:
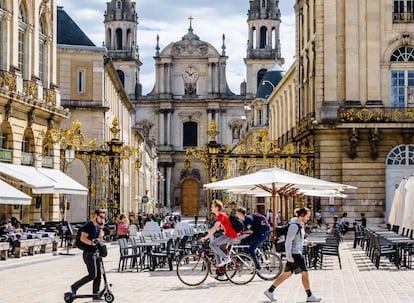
(277, 177)
(276, 181)
(408, 221)
(396, 215)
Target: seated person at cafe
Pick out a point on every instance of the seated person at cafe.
(122, 227)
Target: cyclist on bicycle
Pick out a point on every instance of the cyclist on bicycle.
(259, 227)
(222, 219)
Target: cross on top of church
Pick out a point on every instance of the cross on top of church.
(191, 19)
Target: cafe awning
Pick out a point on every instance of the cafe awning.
(30, 177)
(11, 195)
(43, 180)
(64, 183)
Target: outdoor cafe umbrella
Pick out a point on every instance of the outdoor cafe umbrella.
(396, 215)
(408, 221)
(276, 181)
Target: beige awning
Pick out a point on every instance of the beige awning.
(11, 195)
(43, 180)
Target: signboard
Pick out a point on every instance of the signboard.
(144, 199)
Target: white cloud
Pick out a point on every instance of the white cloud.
(169, 19)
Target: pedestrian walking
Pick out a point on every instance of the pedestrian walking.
(294, 242)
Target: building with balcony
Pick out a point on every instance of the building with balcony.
(30, 105)
(350, 102)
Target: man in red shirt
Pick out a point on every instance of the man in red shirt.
(229, 233)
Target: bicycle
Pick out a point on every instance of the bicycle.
(270, 263)
(194, 268)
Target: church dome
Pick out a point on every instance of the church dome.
(269, 81)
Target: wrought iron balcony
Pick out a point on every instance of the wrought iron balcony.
(403, 17)
(375, 115)
(6, 155)
(27, 158)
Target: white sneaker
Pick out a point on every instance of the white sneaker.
(312, 298)
(269, 295)
(224, 262)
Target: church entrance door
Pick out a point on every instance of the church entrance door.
(189, 197)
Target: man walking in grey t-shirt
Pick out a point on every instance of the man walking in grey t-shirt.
(295, 240)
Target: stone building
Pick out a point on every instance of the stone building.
(29, 105)
(350, 102)
(93, 90)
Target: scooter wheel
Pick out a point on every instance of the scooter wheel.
(68, 297)
(109, 297)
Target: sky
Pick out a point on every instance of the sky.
(170, 20)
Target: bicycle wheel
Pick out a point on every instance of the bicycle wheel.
(241, 270)
(192, 269)
(271, 265)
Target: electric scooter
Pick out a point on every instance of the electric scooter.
(105, 293)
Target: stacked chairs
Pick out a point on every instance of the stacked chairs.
(381, 247)
(126, 254)
(359, 238)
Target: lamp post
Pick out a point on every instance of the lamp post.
(69, 157)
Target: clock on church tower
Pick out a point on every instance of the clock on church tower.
(190, 75)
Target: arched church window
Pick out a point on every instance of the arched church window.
(119, 38)
(119, 5)
(402, 77)
(401, 155)
(121, 76)
(263, 3)
(189, 134)
(263, 37)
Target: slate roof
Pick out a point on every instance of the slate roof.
(68, 32)
(269, 81)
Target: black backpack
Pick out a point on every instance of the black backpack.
(79, 244)
(281, 232)
(236, 223)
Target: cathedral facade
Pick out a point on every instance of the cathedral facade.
(189, 94)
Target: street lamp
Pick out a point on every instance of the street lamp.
(69, 157)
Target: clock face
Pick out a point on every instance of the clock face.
(190, 75)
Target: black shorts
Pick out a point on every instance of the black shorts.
(297, 266)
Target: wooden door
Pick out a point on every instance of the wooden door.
(189, 197)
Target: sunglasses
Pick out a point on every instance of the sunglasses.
(102, 217)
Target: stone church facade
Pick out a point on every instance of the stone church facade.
(190, 92)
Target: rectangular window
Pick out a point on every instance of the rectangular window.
(189, 134)
(403, 11)
(25, 145)
(41, 60)
(81, 81)
(2, 140)
(402, 88)
(20, 57)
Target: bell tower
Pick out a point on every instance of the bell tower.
(263, 46)
(121, 21)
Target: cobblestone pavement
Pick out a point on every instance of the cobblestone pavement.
(44, 279)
